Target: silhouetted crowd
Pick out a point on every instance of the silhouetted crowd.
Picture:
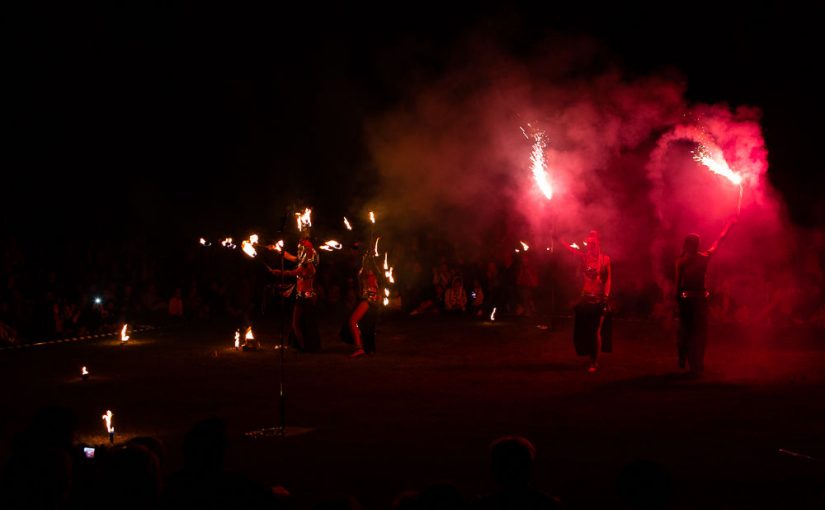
(47, 469)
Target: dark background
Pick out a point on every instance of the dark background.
(192, 119)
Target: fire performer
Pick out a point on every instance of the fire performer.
(592, 329)
(692, 297)
(361, 324)
(304, 322)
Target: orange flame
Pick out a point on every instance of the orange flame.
(108, 419)
(333, 244)
(249, 335)
(237, 339)
(304, 219)
(386, 266)
(376, 246)
(123, 335)
(372, 217)
(388, 275)
(249, 248)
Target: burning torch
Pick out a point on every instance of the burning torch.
(107, 418)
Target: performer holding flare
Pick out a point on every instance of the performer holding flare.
(692, 297)
(592, 329)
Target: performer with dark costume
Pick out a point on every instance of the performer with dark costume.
(361, 324)
(304, 322)
(692, 297)
(592, 329)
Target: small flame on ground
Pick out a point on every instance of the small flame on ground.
(249, 335)
(123, 335)
(108, 419)
(84, 371)
(493, 314)
(249, 248)
(237, 339)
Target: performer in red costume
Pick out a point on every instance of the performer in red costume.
(304, 322)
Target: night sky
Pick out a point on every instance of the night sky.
(181, 119)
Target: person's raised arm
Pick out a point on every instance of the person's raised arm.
(722, 235)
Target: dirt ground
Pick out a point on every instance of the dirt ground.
(425, 407)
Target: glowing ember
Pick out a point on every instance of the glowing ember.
(248, 248)
(108, 419)
(123, 335)
(237, 339)
(249, 335)
(346, 223)
(538, 166)
(304, 219)
(493, 314)
(716, 163)
(376, 247)
(372, 217)
(524, 245)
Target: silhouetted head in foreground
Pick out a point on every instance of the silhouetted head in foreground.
(511, 460)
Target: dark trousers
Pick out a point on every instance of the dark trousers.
(305, 326)
(693, 332)
(588, 315)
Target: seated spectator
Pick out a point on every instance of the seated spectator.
(455, 298)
